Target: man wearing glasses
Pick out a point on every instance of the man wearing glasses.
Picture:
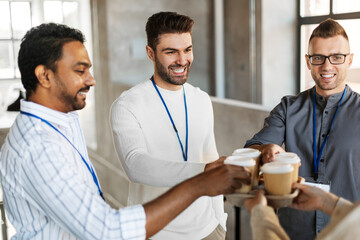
(321, 125)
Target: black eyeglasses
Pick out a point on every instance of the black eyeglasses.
(335, 59)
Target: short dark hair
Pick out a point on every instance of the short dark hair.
(42, 45)
(329, 28)
(166, 22)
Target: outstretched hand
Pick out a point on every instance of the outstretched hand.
(312, 198)
(223, 179)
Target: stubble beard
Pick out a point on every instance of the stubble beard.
(164, 74)
(67, 99)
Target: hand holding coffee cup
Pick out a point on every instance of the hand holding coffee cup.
(250, 153)
(249, 163)
(277, 178)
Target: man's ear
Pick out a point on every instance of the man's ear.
(42, 74)
(150, 52)
(308, 64)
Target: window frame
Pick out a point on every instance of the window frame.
(13, 39)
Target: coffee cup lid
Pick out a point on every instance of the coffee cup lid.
(247, 152)
(277, 167)
(287, 157)
(240, 161)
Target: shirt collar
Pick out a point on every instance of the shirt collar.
(51, 115)
(333, 100)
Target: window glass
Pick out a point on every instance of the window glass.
(70, 12)
(16, 52)
(53, 11)
(346, 6)
(5, 30)
(20, 18)
(6, 60)
(314, 7)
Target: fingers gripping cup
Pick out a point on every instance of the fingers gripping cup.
(250, 153)
(249, 163)
(277, 178)
(290, 158)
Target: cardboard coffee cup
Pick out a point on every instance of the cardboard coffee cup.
(277, 178)
(249, 163)
(291, 158)
(254, 154)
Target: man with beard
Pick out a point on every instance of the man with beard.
(51, 190)
(163, 130)
(321, 126)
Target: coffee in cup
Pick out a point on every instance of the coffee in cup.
(277, 178)
(291, 158)
(249, 163)
(250, 153)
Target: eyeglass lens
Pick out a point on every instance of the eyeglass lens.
(334, 59)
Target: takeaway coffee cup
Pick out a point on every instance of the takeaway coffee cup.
(291, 158)
(277, 178)
(249, 163)
(250, 153)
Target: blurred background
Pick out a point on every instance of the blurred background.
(247, 55)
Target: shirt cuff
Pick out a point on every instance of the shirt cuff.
(132, 222)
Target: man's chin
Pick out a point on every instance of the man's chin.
(178, 80)
(79, 106)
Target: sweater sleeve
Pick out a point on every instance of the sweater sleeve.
(139, 165)
(265, 224)
(343, 218)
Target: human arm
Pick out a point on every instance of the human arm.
(269, 139)
(221, 180)
(312, 198)
(264, 222)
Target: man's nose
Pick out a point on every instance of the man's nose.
(181, 59)
(327, 63)
(90, 80)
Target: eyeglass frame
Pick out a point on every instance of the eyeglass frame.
(327, 57)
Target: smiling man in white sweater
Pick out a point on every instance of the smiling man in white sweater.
(163, 130)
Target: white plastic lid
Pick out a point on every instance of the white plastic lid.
(240, 161)
(287, 157)
(277, 167)
(247, 152)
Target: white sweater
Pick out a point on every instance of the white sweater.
(151, 155)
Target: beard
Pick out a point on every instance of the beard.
(164, 73)
(69, 101)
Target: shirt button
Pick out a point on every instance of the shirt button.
(323, 135)
(322, 160)
(326, 112)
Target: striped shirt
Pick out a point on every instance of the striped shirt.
(49, 193)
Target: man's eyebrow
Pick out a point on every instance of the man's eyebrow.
(174, 49)
(85, 64)
(169, 49)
